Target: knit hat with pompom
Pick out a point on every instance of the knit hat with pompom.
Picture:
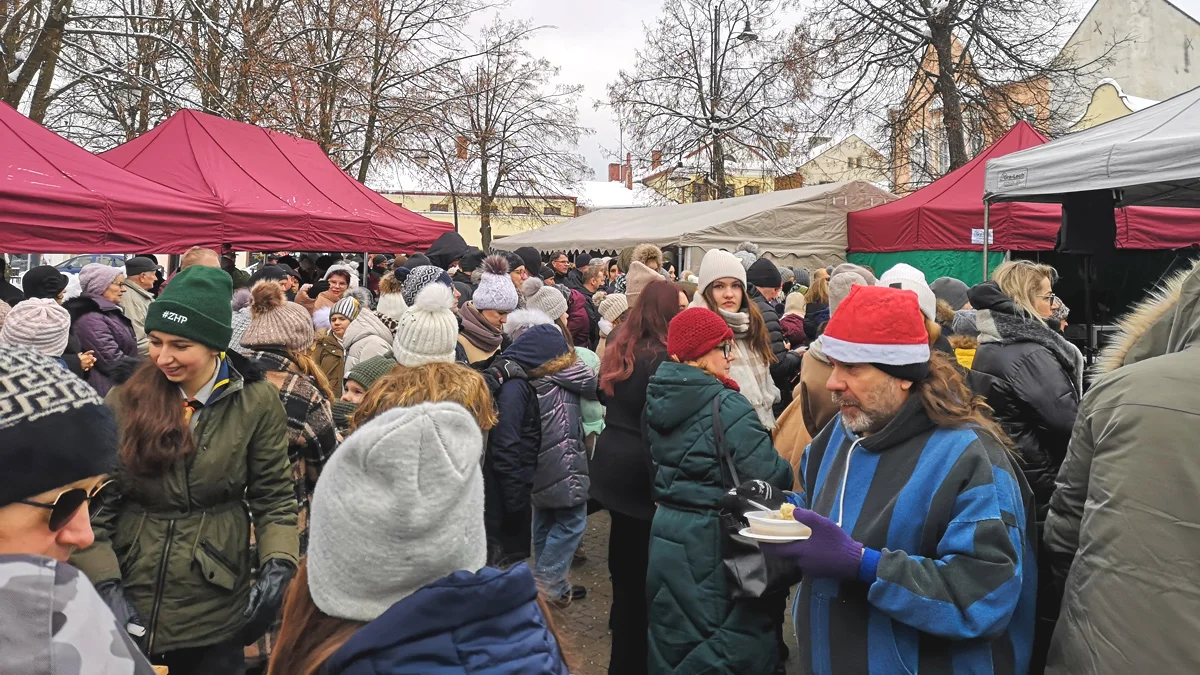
(428, 331)
(496, 290)
(275, 322)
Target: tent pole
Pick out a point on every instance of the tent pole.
(987, 208)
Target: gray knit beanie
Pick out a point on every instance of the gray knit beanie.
(549, 301)
(275, 322)
(840, 285)
(41, 324)
(398, 506)
(496, 290)
(614, 306)
(95, 278)
(428, 331)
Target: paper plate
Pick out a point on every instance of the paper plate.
(745, 532)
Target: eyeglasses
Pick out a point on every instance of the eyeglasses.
(726, 349)
(1052, 298)
(66, 504)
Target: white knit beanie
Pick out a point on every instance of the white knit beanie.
(428, 331)
(718, 264)
(496, 290)
(912, 279)
(548, 300)
(40, 323)
(398, 506)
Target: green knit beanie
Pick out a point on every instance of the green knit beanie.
(197, 304)
(366, 372)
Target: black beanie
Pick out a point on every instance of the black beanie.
(533, 260)
(54, 428)
(764, 274)
(43, 281)
(913, 372)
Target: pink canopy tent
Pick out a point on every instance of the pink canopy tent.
(278, 192)
(56, 197)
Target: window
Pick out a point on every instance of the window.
(439, 208)
(551, 211)
(521, 210)
(850, 163)
(750, 190)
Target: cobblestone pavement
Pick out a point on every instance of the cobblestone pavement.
(584, 625)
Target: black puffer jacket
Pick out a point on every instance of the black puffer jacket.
(1032, 381)
(786, 369)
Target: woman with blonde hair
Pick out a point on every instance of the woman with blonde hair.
(428, 383)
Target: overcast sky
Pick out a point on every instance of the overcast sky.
(590, 41)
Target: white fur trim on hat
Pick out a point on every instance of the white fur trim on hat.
(522, 320)
(892, 355)
(428, 331)
(718, 264)
(909, 278)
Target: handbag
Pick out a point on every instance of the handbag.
(749, 572)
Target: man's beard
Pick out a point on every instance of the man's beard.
(868, 417)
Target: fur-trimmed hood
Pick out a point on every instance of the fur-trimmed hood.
(1167, 321)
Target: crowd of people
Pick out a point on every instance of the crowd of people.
(387, 464)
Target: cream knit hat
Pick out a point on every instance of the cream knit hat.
(398, 506)
(614, 306)
(718, 264)
(275, 322)
(912, 279)
(428, 331)
(41, 324)
(548, 300)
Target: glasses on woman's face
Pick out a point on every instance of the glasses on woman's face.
(726, 349)
(1052, 298)
(68, 502)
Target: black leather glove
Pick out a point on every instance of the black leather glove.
(317, 289)
(113, 594)
(266, 597)
(507, 369)
(757, 490)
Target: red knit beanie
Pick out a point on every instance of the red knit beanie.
(695, 332)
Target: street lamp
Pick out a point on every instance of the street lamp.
(747, 35)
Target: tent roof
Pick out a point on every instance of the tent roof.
(278, 192)
(807, 221)
(942, 215)
(1152, 156)
(56, 197)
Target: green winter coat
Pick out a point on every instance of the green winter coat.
(695, 629)
(180, 543)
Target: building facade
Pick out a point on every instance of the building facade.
(510, 214)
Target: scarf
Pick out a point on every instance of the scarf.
(478, 331)
(738, 322)
(1000, 327)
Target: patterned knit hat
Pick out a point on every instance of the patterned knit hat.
(347, 307)
(695, 332)
(881, 326)
(428, 331)
(275, 322)
(197, 305)
(614, 306)
(54, 428)
(41, 324)
(496, 290)
(369, 370)
(95, 278)
(421, 277)
(549, 301)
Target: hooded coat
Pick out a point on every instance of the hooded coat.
(694, 626)
(448, 247)
(467, 623)
(102, 328)
(180, 542)
(366, 337)
(1033, 380)
(1122, 525)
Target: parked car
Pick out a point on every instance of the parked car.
(73, 265)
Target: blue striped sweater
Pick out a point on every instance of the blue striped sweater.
(949, 578)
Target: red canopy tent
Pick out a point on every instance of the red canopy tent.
(278, 192)
(947, 216)
(56, 197)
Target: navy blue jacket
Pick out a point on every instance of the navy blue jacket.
(485, 623)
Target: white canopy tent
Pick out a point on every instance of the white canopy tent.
(805, 226)
(1151, 157)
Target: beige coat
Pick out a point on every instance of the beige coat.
(136, 303)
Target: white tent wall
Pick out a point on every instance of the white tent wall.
(804, 227)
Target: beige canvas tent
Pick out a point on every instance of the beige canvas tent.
(805, 226)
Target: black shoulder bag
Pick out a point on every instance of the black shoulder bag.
(750, 573)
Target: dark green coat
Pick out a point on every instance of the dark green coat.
(180, 542)
(695, 628)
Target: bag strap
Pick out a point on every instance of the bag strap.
(722, 449)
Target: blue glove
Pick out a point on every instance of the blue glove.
(830, 553)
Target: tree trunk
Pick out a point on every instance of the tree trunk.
(718, 168)
(947, 89)
(364, 162)
(41, 91)
(485, 204)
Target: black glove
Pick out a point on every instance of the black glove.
(758, 490)
(317, 289)
(266, 597)
(507, 369)
(113, 594)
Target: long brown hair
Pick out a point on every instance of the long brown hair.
(431, 382)
(308, 637)
(758, 336)
(154, 434)
(644, 330)
(950, 403)
(306, 365)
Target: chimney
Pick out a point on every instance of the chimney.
(655, 160)
(629, 171)
(614, 173)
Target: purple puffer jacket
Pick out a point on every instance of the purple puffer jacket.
(561, 478)
(102, 328)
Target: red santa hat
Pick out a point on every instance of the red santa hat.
(881, 326)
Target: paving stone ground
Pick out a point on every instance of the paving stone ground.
(584, 625)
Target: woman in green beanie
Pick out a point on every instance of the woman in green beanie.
(203, 455)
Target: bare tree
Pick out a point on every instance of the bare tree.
(717, 75)
(515, 130)
(31, 33)
(976, 65)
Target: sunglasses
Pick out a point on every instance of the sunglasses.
(67, 504)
